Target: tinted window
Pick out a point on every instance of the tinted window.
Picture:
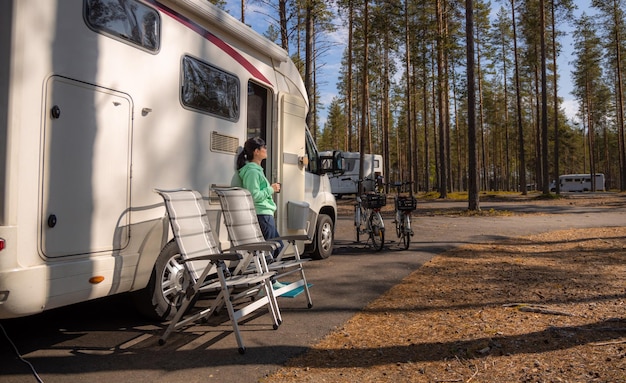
(257, 111)
(128, 20)
(350, 164)
(209, 89)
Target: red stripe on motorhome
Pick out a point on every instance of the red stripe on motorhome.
(212, 38)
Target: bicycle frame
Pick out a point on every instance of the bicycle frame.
(404, 206)
(367, 218)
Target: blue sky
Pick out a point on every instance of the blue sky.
(327, 75)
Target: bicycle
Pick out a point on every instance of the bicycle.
(404, 206)
(367, 217)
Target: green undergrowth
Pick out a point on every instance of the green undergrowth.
(491, 196)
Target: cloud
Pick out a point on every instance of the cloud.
(570, 107)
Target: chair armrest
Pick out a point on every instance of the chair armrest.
(228, 256)
(258, 246)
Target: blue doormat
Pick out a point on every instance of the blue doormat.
(295, 292)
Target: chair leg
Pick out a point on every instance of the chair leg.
(189, 295)
(306, 289)
(226, 300)
(273, 303)
(305, 285)
(261, 264)
(303, 281)
(233, 319)
(172, 326)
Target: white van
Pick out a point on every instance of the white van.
(346, 183)
(578, 183)
(101, 101)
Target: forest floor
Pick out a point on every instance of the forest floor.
(541, 308)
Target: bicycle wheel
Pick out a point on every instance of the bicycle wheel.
(406, 231)
(398, 223)
(377, 232)
(358, 214)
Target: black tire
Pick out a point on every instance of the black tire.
(406, 233)
(377, 235)
(357, 225)
(163, 296)
(324, 238)
(406, 240)
(398, 225)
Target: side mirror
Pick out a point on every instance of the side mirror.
(332, 163)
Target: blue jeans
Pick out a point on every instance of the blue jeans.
(268, 228)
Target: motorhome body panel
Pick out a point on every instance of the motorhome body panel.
(95, 123)
(346, 182)
(580, 182)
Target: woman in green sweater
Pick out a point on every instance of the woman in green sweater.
(253, 178)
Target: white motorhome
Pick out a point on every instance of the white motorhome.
(346, 182)
(101, 101)
(578, 183)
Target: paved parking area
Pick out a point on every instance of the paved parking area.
(105, 340)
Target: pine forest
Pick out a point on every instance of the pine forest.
(462, 95)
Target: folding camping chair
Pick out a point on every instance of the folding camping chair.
(199, 251)
(243, 229)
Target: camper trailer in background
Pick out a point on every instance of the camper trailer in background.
(578, 183)
(346, 182)
(101, 102)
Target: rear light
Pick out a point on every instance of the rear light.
(1, 244)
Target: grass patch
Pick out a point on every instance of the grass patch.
(549, 197)
(486, 213)
(483, 195)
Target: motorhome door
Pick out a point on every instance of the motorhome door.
(293, 152)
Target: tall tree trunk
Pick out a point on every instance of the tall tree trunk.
(433, 92)
(385, 106)
(620, 103)
(545, 180)
(459, 162)
(282, 15)
(591, 135)
(443, 178)
(473, 194)
(446, 97)
(556, 104)
(518, 96)
(413, 130)
(425, 93)
(365, 94)
(537, 123)
(349, 76)
(408, 96)
(481, 121)
(507, 172)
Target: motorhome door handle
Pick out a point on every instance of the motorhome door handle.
(55, 112)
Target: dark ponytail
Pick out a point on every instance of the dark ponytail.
(247, 152)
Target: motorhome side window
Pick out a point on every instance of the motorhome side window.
(209, 89)
(127, 20)
(257, 111)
